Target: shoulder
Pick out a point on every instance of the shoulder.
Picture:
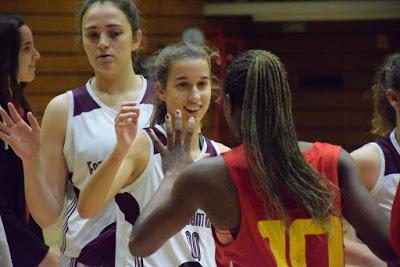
(366, 155)
(57, 111)
(368, 162)
(58, 104)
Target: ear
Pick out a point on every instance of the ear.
(393, 98)
(137, 38)
(160, 91)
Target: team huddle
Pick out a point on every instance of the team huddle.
(123, 158)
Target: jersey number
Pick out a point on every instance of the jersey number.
(275, 232)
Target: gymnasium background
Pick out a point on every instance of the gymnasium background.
(330, 48)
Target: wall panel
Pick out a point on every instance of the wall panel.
(63, 64)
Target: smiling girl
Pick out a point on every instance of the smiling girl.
(133, 171)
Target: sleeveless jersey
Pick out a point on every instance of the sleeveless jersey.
(263, 241)
(90, 137)
(395, 223)
(389, 174)
(192, 246)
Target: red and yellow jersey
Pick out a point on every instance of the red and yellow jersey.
(263, 241)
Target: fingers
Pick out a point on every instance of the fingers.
(5, 137)
(159, 145)
(6, 118)
(127, 118)
(189, 133)
(129, 104)
(178, 126)
(14, 113)
(170, 133)
(3, 128)
(33, 122)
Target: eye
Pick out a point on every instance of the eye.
(92, 35)
(114, 34)
(203, 85)
(183, 85)
(26, 48)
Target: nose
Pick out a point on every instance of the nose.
(36, 54)
(103, 41)
(194, 94)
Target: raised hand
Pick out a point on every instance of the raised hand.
(23, 138)
(176, 155)
(126, 125)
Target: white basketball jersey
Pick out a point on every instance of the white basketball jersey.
(389, 173)
(193, 246)
(90, 137)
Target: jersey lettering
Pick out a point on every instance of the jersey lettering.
(275, 231)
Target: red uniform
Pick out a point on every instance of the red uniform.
(263, 241)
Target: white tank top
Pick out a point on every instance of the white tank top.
(193, 246)
(90, 137)
(389, 173)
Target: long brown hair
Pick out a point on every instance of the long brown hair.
(257, 84)
(10, 39)
(387, 77)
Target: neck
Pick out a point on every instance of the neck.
(123, 82)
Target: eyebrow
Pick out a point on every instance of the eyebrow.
(179, 78)
(27, 43)
(107, 26)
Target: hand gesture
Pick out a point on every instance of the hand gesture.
(126, 125)
(176, 155)
(23, 138)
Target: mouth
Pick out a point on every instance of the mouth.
(192, 111)
(105, 56)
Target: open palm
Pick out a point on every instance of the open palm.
(23, 138)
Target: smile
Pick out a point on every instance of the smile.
(192, 111)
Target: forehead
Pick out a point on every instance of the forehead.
(189, 68)
(100, 14)
(26, 34)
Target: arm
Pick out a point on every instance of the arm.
(359, 208)
(368, 163)
(41, 151)
(183, 190)
(359, 254)
(122, 166)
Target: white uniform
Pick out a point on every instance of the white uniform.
(5, 258)
(389, 173)
(90, 137)
(192, 246)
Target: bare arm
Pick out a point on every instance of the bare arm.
(368, 163)
(359, 254)
(362, 212)
(41, 151)
(124, 164)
